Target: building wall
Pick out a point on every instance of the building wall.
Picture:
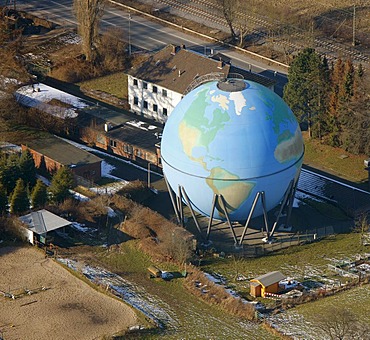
(118, 147)
(255, 290)
(133, 152)
(90, 171)
(43, 162)
(274, 288)
(29, 235)
(144, 96)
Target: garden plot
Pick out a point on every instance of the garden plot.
(352, 268)
(299, 322)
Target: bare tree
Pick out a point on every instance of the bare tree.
(339, 323)
(229, 11)
(112, 50)
(362, 226)
(178, 244)
(88, 14)
(12, 68)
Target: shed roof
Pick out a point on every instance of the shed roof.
(269, 278)
(43, 221)
(62, 152)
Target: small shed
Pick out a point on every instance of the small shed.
(267, 283)
(40, 223)
(154, 271)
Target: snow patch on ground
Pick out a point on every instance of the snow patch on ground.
(80, 227)
(39, 95)
(132, 294)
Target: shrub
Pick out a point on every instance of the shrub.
(12, 227)
(197, 283)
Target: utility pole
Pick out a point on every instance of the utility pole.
(354, 26)
(129, 34)
(149, 175)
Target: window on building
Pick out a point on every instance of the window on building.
(164, 111)
(155, 107)
(164, 92)
(145, 85)
(135, 82)
(113, 143)
(155, 89)
(145, 104)
(136, 101)
(128, 148)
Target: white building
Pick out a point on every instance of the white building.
(158, 84)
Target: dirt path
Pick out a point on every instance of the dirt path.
(67, 309)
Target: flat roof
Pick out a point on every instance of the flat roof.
(138, 133)
(62, 151)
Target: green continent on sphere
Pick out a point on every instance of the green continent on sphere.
(278, 113)
(234, 192)
(197, 130)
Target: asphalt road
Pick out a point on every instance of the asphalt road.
(150, 35)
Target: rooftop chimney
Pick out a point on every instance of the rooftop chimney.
(220, 63)
(174, 49)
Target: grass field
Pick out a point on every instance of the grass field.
(335, 160)
(297, 262)
(115, 84)
(300, 321)
(191, 318)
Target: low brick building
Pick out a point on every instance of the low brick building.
(51, 153)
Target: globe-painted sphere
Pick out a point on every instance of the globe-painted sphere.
(233, 138)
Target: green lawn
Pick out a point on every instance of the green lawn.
(335, 160)
(115, 84)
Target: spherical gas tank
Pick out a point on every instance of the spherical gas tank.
(233, 138)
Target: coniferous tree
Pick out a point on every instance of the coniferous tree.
(27, 169)
(355, 120)
(39, 196)
(19, 202)
(3, 201)
(306, 89)
(9, 172)
(61, 184)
